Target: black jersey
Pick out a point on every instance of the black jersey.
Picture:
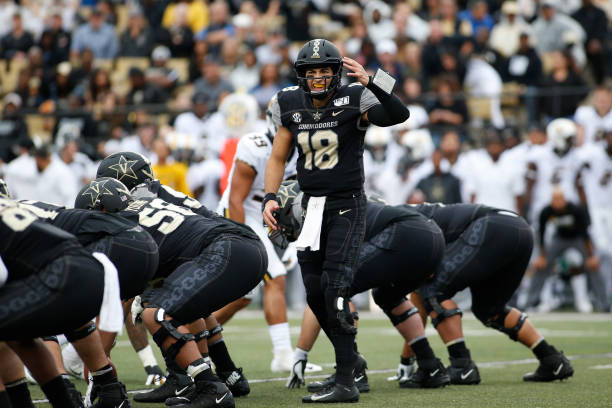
(88, 226)
(379, 215)
(452, 219)
(179, 233)
(28, 243)
(330, 139)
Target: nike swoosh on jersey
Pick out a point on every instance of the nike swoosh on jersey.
(337, 113)
(434, 373)
(466, 375)
(318, 397)
(344, 211)
(218, 400)
(558, 370)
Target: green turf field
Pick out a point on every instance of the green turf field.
(587, 339)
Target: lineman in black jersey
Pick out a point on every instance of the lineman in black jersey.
(202, 263)
(134, 170)
(327, 121)
(383, 261)
(54, 286)
(488, 251)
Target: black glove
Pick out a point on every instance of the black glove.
(343, 313)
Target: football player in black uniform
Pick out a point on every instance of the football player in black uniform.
(53, 286)
(382, 267)
(487, 251)
(203, 265)
(134, 170)
(327, 121)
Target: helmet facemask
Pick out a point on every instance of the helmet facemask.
(331, 82)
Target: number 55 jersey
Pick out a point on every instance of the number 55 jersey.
(330, 139)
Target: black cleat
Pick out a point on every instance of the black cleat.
(176, 385)
(208, 394)
(463, 371)
(553, 367)
(333, 394)
(432, 376)
(111, 395)
(361, 378)
(236, 382)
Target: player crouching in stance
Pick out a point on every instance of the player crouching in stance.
(487, 250)
(327, 121)
(382, 267)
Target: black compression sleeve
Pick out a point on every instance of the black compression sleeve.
(391, 110)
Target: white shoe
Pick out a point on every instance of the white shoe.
(282, 361)
(312, 368)
(72, 362)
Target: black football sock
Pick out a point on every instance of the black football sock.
(19, 394)
(220, 356)
(422, 350)
(57, 393)
(104, 376)
(457, 349)
(345, 358)
(543, 349)
(4, 399)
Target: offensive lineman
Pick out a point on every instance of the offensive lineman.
(327, 121)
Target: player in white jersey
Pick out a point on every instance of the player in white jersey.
(241, 202)
(556, 163)
(597, 178)
(596, 118)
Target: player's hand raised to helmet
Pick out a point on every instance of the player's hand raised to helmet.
(358, 71)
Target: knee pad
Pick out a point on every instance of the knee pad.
(432, 304)
(397, 319)
(79, 334)
(215, 330)
(50, 338)
(497, 322)
(169, 329)
(204, 334)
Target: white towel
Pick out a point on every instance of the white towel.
(311, 230)
(111, 312)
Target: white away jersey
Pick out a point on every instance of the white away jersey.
(254, 149)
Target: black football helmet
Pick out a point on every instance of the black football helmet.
(289, 216)
(130, 168)
(103, 193)
(4, 193)
(316, 54)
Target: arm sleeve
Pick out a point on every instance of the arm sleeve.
(387, 112)
(544, 215)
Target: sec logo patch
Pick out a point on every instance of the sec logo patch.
(297, 117)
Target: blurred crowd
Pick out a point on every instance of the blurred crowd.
(179, 81)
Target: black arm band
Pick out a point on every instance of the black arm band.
(267, 197)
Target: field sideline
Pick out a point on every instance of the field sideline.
(587, 339)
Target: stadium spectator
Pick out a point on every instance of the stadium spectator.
(478, 16)
(197, 13)
(137, 39)
(16, 43)
(97, 36)
(142, 91)
(219, 28)
(408, 25)
(99, 89)
(107, 11)
(211, 83)
(505, 35)
(8, 8)
(154, 11)
(377, 16)
(159, 74)
(167, 170)
(269, 85)
(178, 36)
(449, 109)
(12, 127)
(595, 24)
(563, 89)
(596, 118)
(55, 41)
(550, 27)
(386, 54)
(193, 122)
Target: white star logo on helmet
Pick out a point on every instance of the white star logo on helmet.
(97, 189)
(124, 168)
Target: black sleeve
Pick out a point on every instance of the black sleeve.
(391, 110)
(582, 222)
(544, 216)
